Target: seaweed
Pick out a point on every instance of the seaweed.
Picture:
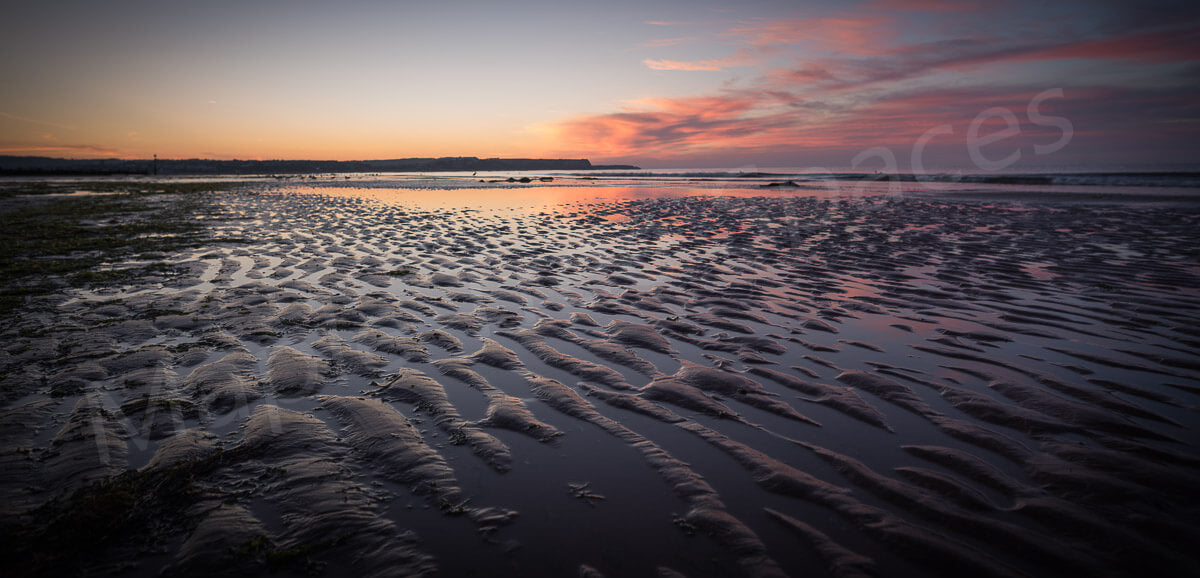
(135, 509)
(48, 242)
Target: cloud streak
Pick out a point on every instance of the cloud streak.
(35, 121)
(86, 150)
(710, 65)
(740, 59)
(662, 42)
(850, 81)
(853, 35)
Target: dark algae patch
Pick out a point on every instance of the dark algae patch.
(49, 240)
(89, 530)
(100, 528)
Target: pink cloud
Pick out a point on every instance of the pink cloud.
(847, 34)
(742, 58)
(745, 125)
(704, 107)
(683, 126)
(853, 84)
(1174, 45)
(927, 5)
(830, 74)
(682, 65)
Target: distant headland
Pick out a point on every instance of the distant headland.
(48, 166)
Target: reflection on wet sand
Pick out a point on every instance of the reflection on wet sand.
(622, 381)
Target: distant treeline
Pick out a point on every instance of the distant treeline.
(47, 166)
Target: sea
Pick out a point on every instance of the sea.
(534, 189)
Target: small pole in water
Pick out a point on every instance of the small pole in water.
(154, 170)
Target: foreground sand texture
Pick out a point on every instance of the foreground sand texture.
(713, 386)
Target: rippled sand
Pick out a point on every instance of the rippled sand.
(700, 386)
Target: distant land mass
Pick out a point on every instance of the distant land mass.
(48, 166)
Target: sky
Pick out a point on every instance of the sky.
(897, 85)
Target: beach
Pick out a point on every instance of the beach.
(688, 376)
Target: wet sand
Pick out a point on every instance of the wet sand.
(662, 385)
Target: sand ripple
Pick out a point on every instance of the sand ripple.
(708, 386)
